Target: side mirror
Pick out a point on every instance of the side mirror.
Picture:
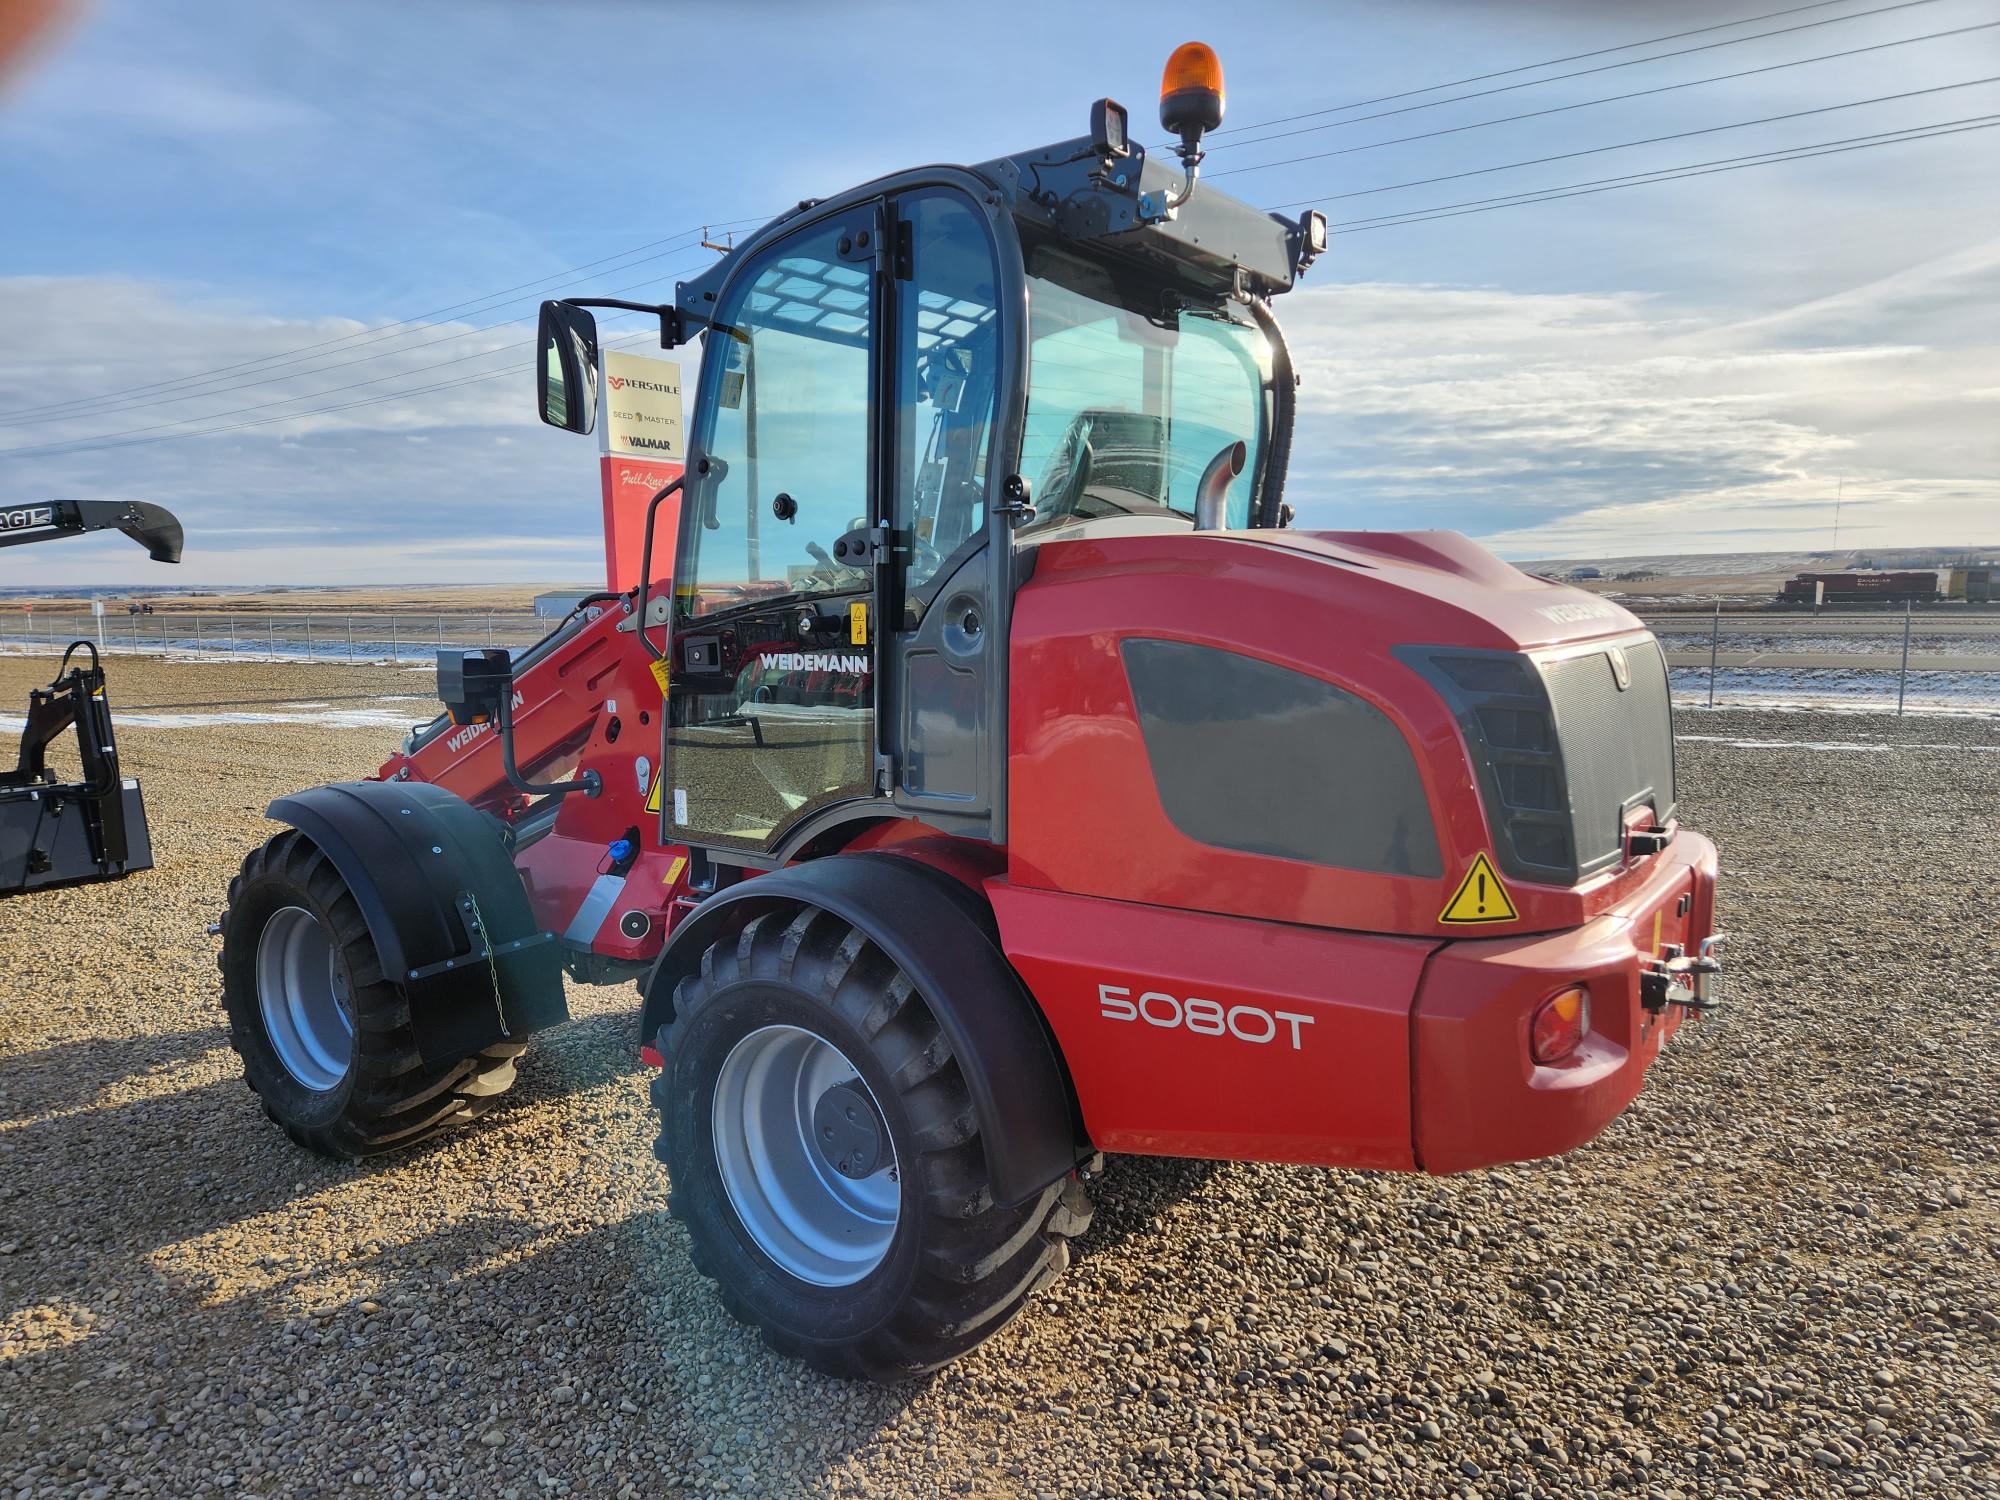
(566, 372)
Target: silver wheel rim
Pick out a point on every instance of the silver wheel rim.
(302, 997)
(818, 1224)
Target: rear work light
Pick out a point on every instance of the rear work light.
(1560, 1025)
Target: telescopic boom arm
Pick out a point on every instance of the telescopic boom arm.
(153, 527)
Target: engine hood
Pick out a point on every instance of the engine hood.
(1475, 663)
(1477, 599)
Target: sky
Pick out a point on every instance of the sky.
(309, 205)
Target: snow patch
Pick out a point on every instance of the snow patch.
(1857, 745)
(1842, 689)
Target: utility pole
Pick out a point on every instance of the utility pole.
(1839, 490)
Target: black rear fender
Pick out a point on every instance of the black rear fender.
(447, 912)
(942, 937)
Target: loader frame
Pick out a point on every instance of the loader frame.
(55, 832)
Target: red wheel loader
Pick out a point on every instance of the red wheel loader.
(994, 777)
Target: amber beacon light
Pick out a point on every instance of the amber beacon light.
(1191, 95)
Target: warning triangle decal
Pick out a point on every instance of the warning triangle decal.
(1480, 897)
(653, 794)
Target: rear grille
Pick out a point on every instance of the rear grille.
(1562, 751)
(1618, 746)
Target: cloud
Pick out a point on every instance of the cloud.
(1577, 422)
(1545, 423)
(417, 485)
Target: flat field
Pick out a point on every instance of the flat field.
(1779, 1273)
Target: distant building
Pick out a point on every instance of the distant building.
(1579, 575)
(559, 602)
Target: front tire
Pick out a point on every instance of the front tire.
(324, 1038)
(826, 1159)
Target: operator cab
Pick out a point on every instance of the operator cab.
(905, 391)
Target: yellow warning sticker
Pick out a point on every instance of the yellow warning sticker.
(857, 623)
(674, 869)
(660, 674)
(653, 794)
(1480, 897)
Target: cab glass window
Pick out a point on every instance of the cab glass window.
(947, 369)
(790, 426)
(1131, 396)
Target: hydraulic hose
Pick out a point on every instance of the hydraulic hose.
(1284, 399)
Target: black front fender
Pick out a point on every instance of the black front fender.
(447, 912)
(942, 936)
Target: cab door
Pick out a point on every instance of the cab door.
(772, 703)
(945, 640)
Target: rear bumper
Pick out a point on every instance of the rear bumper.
(1479, 1098)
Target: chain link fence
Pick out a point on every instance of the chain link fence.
(1867, 657)
(275, 636)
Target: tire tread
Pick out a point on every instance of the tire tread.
(979, 1264)
(395, 1100)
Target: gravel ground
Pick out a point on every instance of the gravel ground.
(1779, 1273)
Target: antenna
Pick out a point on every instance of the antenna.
(1838, 492)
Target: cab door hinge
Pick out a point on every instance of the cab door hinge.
(863, 547)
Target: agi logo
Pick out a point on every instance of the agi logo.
(26, 516)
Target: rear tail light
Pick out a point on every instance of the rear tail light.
(1560, 1025)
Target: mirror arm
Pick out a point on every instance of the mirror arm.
(673, 328)
(661, 309)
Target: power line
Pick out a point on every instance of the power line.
(324, 369)
(1663, 174)
(1654, 140)
(1550, 62)
(104, 405)
(1665, 88)
(64, 443)
(114, 439)
(88, 446)
(1507, 88)
(372, 335)
(1348, 226)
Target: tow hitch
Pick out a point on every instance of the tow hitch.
(1676, 979)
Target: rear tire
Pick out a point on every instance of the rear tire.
(325, 1039)
(888, 1304)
